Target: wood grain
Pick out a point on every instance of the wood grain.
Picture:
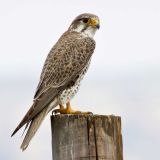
(91, 137)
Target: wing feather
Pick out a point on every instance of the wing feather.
(65, 60)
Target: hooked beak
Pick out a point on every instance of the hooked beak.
(98, 26)
(94, 23)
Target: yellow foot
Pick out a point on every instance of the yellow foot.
(60, 110)
(69, 110)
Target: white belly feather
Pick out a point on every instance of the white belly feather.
(69, 93)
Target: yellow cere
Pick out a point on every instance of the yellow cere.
(93, 22)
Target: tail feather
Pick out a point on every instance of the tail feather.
(35, 124)
(25, 128)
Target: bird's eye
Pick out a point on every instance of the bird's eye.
(85, 20)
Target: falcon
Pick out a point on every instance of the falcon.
(63, 70)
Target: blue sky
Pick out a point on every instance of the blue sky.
(123, 79)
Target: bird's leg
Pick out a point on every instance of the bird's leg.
(60, 110)
(63, 110)
(69, 110)
(61, 107)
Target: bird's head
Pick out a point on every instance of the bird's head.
(85, 23)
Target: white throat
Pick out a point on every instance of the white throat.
(88, 32)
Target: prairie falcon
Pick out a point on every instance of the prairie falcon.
(63, 70)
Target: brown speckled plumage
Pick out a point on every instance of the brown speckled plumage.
(62, 73)
(65, 61)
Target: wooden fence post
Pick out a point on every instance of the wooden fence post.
(91, 137)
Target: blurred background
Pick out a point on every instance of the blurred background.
(123, 79)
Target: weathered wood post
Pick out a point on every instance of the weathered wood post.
(91, 137)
